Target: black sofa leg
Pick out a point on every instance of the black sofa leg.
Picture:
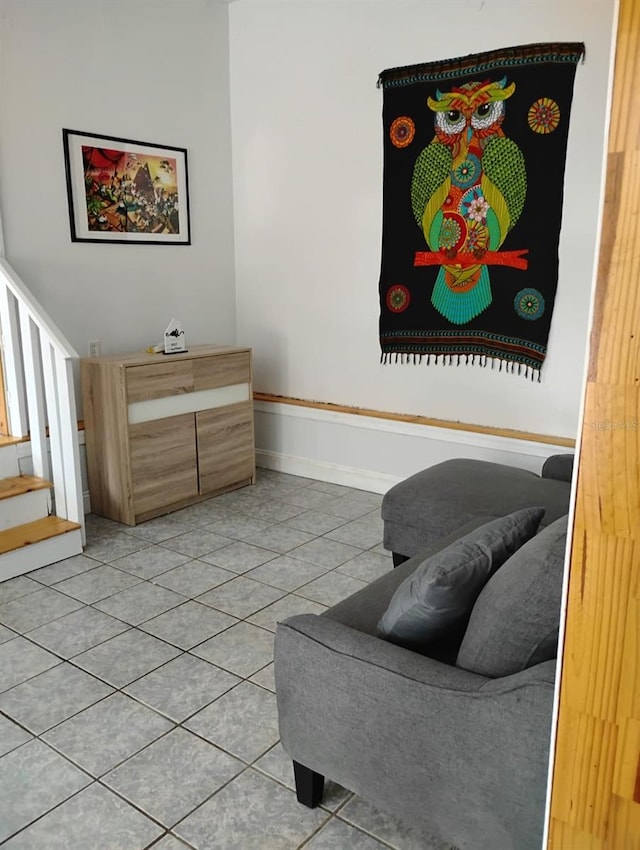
(309, 785)
(399, 559)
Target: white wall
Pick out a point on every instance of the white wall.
(307, 153)
(305, 206)
(150, 70)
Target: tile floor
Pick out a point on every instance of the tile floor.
(137, 705)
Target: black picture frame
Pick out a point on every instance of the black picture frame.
(125, 191)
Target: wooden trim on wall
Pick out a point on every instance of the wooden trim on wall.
(418, 420)
(595, 799)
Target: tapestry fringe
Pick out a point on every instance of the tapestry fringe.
(483, 360)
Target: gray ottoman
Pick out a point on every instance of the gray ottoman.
(437, 501)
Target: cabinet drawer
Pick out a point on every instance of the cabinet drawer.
(158, 380)
(222, 371)
(164, 467)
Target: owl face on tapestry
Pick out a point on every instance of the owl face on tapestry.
(467, 192)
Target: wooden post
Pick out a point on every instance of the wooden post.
(595, 802)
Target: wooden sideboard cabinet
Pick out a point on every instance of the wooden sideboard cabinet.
(164, 431)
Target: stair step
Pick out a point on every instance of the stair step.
(11, 441)
(34, 532)
(19, 484)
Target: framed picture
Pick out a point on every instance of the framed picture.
(120, 190)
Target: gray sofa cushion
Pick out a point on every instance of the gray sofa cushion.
(559, 467)
(514, 623)
(442, 590)
(362, 610)
(438, 500)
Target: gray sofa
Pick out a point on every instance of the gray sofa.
(462, 754)
(436, 501)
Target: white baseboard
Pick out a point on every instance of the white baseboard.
(360, 479)
(373, 453)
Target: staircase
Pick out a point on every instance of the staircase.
(41, 508)
(30, 536)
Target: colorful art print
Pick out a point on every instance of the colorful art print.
(473, 183)
(126, 191)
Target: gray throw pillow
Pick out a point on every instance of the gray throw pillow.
(441, 592)
(514, 623)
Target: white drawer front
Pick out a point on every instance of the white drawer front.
(161, 408)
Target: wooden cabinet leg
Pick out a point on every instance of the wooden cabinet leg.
(309, 785)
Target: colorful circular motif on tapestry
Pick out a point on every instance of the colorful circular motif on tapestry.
(467, 172)
(398, 298)
(544, 115)
(453, 232)
(402, 131)
(529, 304)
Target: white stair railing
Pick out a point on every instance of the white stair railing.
(39, 386)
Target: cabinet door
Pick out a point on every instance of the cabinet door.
(225, 446)
(164, 467)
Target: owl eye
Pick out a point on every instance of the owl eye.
(487, 114)
(450, 122)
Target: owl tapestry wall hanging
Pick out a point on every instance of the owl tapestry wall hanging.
(474, 157)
